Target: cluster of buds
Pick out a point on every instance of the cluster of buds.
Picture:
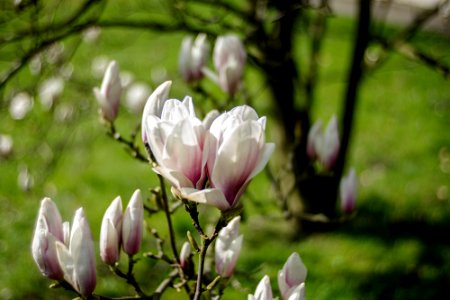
(291, 281)
(324, 145)
(64, 253)
(122, 229)
(210, 161)
(229, 59)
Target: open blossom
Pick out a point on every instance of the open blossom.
(237, 152)
(228, 248)
(193, 56)
(176, 139)
(132, 224)
(111, 232)
(49, 229)
(291, 278)
(77, 259)
(263, 290)
(324, 144)
(348, 190)
(108, 96)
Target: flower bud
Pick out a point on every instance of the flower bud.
(193, 56)
(132, 226)
(229, 60)
(78, 258)
(228, 248)
(110, 233)
(348, 190)
(49, 229)
(263, 290)
(324, 145)
(185, 255)
(291, 276)
(108, 96)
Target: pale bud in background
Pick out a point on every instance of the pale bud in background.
(50, 90)
(21, 104)
(229, 60)
(78, 258)
(132, 224)
(6, 145)
(324, 145)
(193, 57)
(111, 232)
(49, 229)
(291, 276)
(263, 290)
(348, 189)
(314, 132)
(228, 248)
(108, 96)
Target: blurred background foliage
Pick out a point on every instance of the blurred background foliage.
(395, 247)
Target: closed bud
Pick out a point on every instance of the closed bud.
(132, 226)
(193, 57)
(78, 258)
(49, 229)
(348, 189)
(108, 96)
(185, 255)
(263, 290)
(228, 248)
(291, 276)
(110, 233)
(324, 145)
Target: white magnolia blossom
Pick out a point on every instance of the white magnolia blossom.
(193, 57)
(77, 259)
(133, 224)
(50, 90)
(21, 104)
(108, 96)
(228, 248)
(49, 229)
(291, 276)
(111, 232)
(237, 152)
(324, 145)
(263, 290)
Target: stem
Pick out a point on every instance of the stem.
(354, 80)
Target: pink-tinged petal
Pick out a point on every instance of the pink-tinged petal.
(66, 262)
(209, 118)
(109, 243)
(176, 178)
(185, 255)
(213, 197)
(245, 112)
(348, 191)
(297, 293)
(110, 92)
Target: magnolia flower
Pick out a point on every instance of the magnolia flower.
(263, 290)
(228, 247)
(154, 106)
(193, 56)
(49, 229)
(185, 255)
(324, 145)
(132, 226)
(50, 90)
(21, 104)
(348, 190)
(297, 293)
(77, 259)
(237, 151)
(176, 139)
(111, 232)
(108, 96)
(229, 60)
(291, 277)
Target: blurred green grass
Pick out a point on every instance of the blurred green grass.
(396, 247)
